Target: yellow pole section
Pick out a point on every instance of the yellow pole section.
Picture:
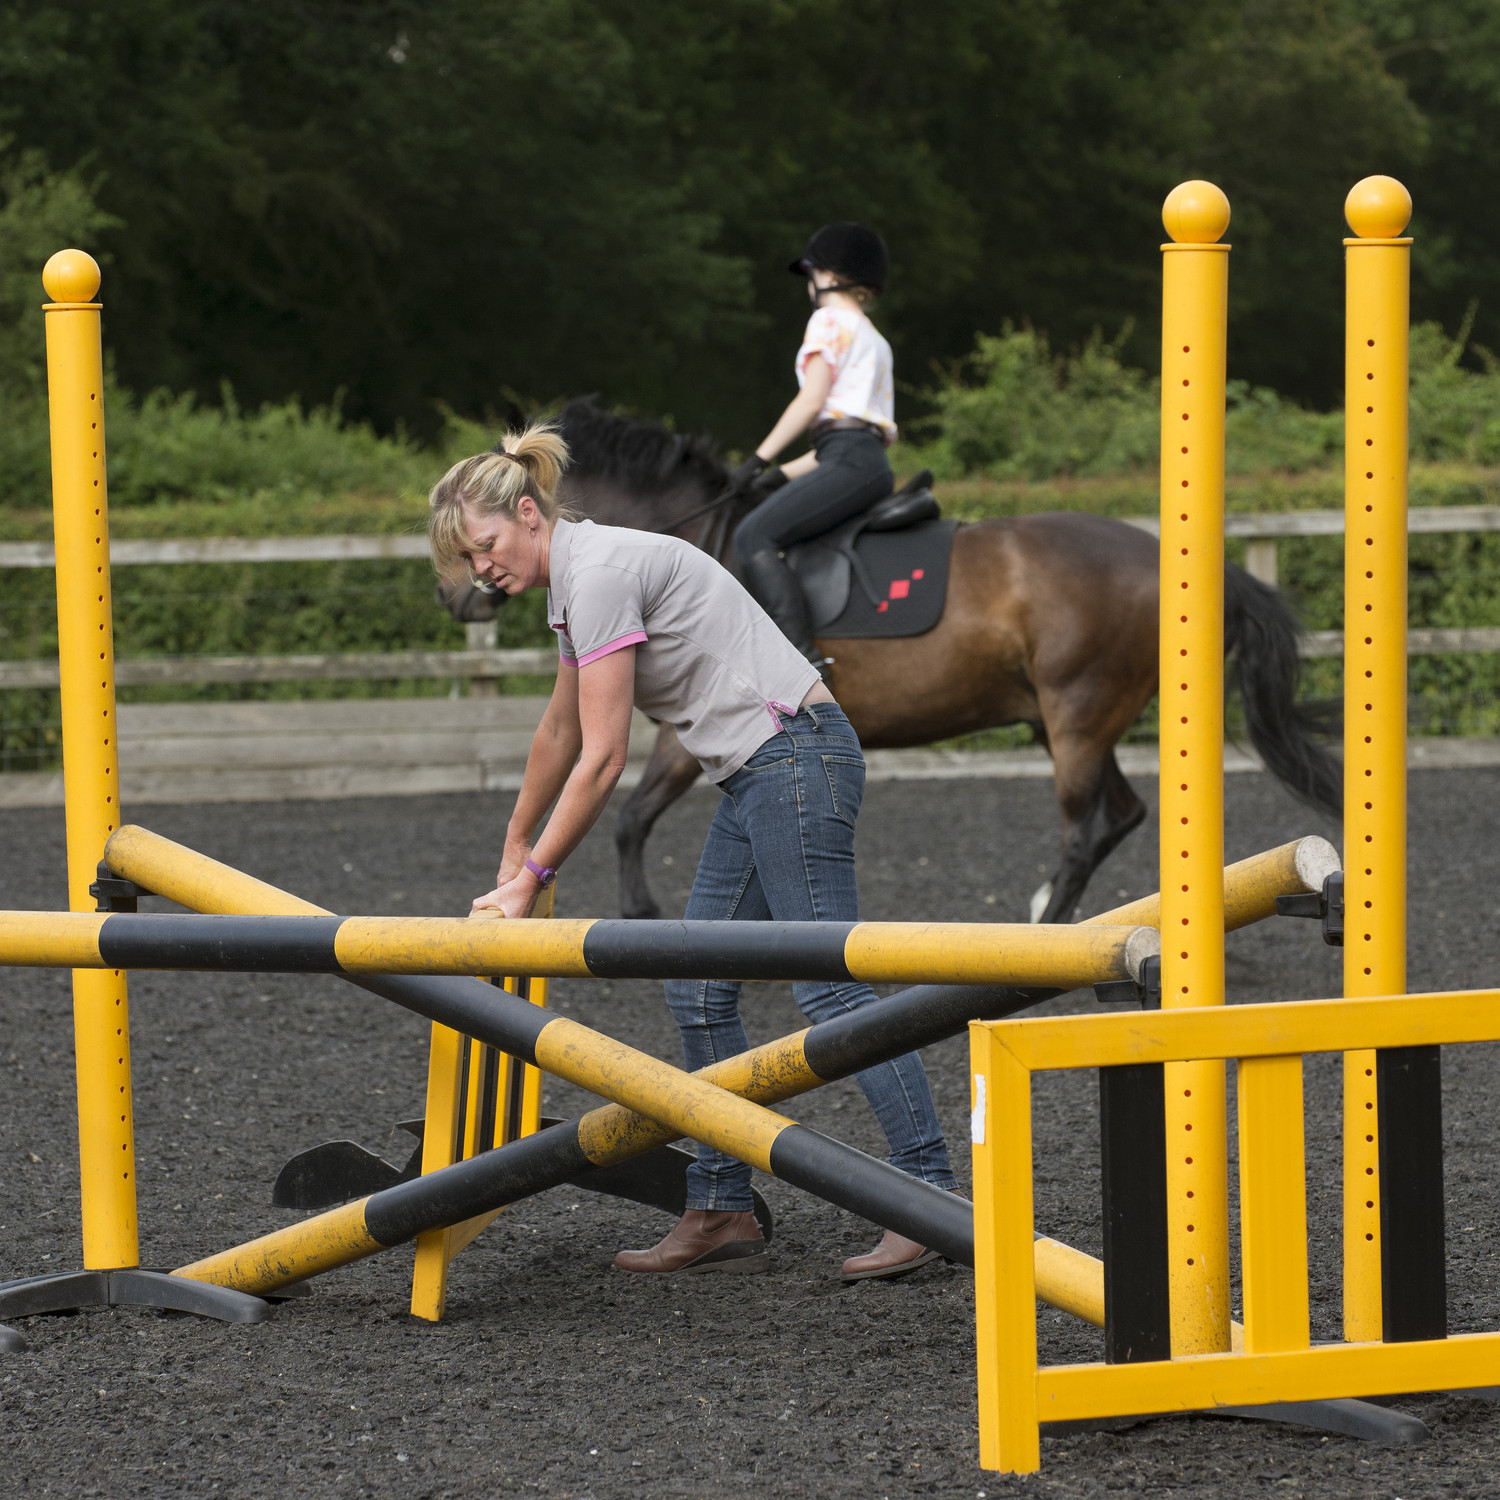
(1251, 886)
(91, 768)
(1195, 286)
(1376, 337)
(1273, 1204)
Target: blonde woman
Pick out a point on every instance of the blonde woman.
(649, 621)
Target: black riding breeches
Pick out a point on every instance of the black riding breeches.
(852, 474)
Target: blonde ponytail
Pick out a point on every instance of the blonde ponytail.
(494, 484)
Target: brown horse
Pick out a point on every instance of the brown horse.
(1050, 621)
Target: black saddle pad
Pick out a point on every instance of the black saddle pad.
(902, 592)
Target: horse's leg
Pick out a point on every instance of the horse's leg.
(667, 775)
(1099, 807)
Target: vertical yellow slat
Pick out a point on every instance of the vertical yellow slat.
(91, 766)
(473, 1099)
(1004, 1260)
(440, 1147)
(531, 1099)
(1376, 339)
(456, 1122)
(1273, 1204)
(1195, 280)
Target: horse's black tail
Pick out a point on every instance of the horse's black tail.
(1262, 631)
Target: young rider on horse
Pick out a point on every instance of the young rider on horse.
(846, 403)
(648, 620)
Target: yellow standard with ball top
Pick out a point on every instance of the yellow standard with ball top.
(91, 774)
(1376, 343)
(1195, 288)
(91, 784)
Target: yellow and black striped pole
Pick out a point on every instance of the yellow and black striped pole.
(1195, 290)
(1058, 957)
(91, 768)
(1376, 339)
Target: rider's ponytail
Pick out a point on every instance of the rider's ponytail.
(494, 484)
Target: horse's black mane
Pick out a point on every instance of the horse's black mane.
(643, 455)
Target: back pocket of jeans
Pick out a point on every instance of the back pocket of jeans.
(846, 784)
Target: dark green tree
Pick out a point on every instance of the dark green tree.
(461, 200)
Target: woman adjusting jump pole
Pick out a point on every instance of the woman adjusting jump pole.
(649, 621)
(847, 405)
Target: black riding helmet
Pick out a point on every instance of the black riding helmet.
(854, 253)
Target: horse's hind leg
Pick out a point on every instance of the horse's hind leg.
(1099, 807)
(667, 775)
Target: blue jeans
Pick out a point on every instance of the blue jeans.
(781, 848)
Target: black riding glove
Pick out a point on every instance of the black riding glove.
(745, 473)
(769, 482)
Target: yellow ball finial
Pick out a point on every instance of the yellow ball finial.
(1378, 208)
(1196, 213)
(71, 276)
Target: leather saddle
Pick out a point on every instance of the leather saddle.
(828, 566)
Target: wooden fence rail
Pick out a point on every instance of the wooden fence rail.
(485, 666)
(481, 663)
(230, 549)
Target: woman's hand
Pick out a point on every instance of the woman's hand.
(511, 898)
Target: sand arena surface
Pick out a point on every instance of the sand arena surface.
(554, 1374)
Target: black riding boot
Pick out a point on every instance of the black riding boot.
(777, 591)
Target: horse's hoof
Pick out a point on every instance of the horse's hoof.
(1039, 899)
(647, 913)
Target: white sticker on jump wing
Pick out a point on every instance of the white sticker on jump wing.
(976, 1120)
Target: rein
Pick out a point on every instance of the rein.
(693, 515)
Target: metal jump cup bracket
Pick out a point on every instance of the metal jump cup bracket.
(1325, 906)
(1144, 992)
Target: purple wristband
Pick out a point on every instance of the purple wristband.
(544, 876)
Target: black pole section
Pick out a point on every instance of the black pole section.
(1413, 1271)
(906, 1021)
(479, 1185)
(1133, 1158)
(875, 1190)
(468, 1005)
(618, 949)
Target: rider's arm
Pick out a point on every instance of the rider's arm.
(817, 381)
(604, 694)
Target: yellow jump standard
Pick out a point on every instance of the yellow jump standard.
(1376, 339)
(1195, 292)
(91, 775)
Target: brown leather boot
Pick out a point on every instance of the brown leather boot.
(895, 1255)
(703, 1240)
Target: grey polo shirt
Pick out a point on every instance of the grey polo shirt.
(709, 660)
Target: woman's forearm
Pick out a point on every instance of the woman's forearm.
(548, 766)
(587, 790)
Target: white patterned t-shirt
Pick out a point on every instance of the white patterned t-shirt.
(863, 369)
